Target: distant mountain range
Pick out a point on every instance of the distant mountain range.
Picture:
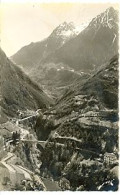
(83, 51)
(93, 46)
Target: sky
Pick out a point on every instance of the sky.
(26, 22)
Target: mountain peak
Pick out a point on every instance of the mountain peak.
(111, 9)
(65, 29)
(111, 12)
(66, 26)
(109, 18)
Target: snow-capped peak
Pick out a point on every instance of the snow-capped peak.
(68, 29)
(64, 29)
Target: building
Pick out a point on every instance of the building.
(110, 158)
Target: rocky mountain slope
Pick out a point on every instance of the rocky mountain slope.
(18, 91)
(86, 121)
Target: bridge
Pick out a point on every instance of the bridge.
(42, 143)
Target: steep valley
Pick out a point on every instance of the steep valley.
(59, 111)
(67, 143)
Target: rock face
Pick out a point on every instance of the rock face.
(18, 91)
